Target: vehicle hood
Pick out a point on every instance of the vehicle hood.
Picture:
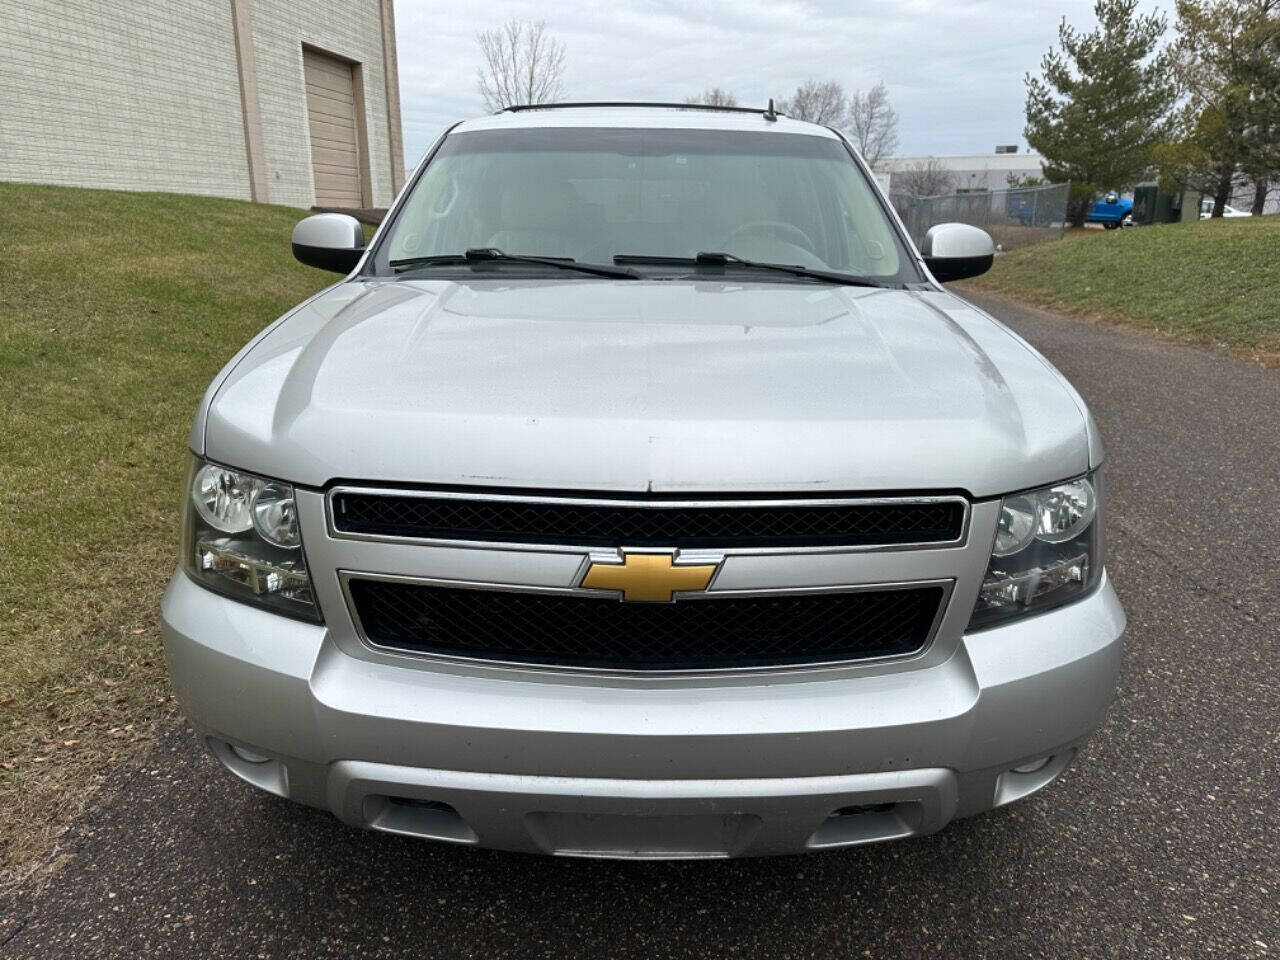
(664, 386)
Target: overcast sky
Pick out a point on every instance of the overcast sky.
(954, 68)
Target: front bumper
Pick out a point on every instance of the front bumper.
(553, 763)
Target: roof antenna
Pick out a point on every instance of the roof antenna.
(771, 115)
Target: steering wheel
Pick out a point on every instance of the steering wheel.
(787, 232)
(440, 208)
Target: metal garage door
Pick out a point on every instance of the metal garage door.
(331, 112)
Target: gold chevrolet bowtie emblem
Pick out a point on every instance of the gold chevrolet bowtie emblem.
(648, 577)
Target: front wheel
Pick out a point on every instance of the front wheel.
(1111, 225)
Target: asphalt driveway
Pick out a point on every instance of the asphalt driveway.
(1161, 843)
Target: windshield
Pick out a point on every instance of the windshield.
(593, 194)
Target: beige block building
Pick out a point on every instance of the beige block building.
(280, 101)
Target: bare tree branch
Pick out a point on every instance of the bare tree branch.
(713, 97)
(925, 178)
(821, 102)
(522, 64)
(873, 124)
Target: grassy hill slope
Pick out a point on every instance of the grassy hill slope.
(116, 309)
(1214, 282)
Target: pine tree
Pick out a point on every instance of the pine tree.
(1259, 74)
(1228, 130)
(1102, 102)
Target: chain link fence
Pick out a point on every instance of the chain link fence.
(1017, 217)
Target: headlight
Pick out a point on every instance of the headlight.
(275, 517)
(1047, 551)
(241, 538)
(222, 496)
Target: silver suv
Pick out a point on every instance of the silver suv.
(639, 492)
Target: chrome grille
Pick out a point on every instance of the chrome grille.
(599, 522)
(566, 629)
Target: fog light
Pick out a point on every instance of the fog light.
(251, 767)
(1033, 766)
(248, 755)
(1024, 780)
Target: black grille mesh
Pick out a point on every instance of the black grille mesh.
(692, 634)
(616, 525)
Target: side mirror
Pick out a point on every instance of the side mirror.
(954, 251)
(330, 241)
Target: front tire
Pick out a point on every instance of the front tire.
(1111, 225)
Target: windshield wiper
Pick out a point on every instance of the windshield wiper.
(730, 260)
(477, 255)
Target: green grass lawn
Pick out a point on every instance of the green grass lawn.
(1213, 282)
(116, 309)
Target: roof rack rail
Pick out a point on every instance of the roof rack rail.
(769, 113)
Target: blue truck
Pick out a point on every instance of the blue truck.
(1111, 210)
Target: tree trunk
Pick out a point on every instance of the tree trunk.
(1221, 195)
(1260, 195)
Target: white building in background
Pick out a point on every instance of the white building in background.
(972, 172)
(281, 101)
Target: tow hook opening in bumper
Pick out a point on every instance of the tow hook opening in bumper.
(413, 817)
(869, 823)
(641, 819)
